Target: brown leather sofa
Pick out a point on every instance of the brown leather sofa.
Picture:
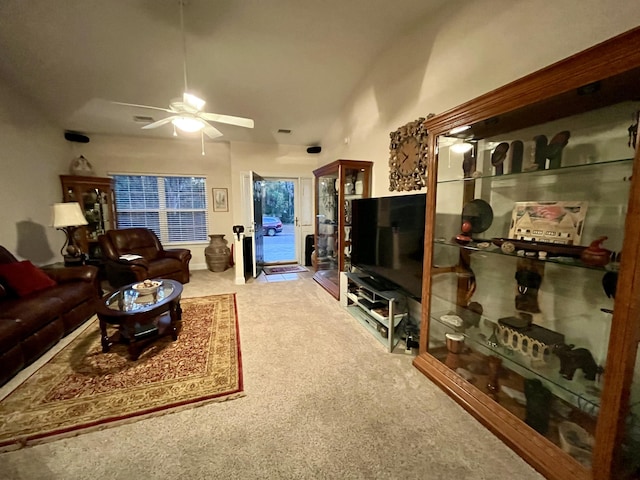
(33, 322)
(156, 262)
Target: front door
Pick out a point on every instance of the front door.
(257, 193)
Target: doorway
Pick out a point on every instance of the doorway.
(290, 202)
(278, 221)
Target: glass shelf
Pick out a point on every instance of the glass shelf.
(492, 249)
(582, 393)
(563, 170)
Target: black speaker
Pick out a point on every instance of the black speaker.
(316, 149)
(76, 137)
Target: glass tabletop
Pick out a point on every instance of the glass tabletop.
(128, 299)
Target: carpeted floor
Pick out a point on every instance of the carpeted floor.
(82, 388)
(323, 400)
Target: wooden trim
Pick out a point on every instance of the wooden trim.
(427, 266)
(621, 356)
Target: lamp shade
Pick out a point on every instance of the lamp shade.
(67, 214)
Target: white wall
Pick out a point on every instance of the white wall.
(33, 154)
(171, 156)
(276, 161)
(467, 49)
(272, 161)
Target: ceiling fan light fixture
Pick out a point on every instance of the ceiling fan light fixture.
(186, 113)
(188, 124)
(192, 100)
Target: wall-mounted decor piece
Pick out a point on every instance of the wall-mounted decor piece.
(220, 200)
(408, 157)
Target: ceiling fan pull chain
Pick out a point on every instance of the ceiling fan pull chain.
(187, 113)
(184, 45)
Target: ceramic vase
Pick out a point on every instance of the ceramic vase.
(217, 253)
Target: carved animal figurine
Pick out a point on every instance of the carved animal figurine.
(571, 359)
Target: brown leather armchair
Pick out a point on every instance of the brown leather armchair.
(156, 262)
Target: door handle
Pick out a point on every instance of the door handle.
(296, 221)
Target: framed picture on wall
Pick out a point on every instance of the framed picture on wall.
(220, 200)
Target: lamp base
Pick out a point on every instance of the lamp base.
(74, 261)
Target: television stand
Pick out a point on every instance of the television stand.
(379, 311)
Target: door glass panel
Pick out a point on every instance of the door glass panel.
(278, 221)
(258, 233)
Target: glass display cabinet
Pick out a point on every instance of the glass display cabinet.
(337, 184)
(530, 317)
(96, 198)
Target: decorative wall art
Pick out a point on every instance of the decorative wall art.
(408, 157)
(220, 200)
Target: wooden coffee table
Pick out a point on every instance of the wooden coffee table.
(141, 319)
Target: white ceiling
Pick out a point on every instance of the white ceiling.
(288, 64)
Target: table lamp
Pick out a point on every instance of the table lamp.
(67, 217)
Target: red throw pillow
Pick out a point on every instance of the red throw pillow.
(24, 277)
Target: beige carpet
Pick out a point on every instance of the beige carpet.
(323, 400)
(81, 388)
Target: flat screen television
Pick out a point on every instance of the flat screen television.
(387, 241)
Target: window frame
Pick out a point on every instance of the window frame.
(162, 210)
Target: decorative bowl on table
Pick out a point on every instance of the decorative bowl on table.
(147, 287)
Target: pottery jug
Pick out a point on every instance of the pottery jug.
(81, 166)
(217, 253)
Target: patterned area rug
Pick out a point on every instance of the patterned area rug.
(83, 389)
(284, 269)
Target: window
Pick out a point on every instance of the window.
(175, 208)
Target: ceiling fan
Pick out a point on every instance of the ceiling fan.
(187, 112)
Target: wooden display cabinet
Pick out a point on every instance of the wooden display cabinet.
(97, 201)
(337, 185)
(532, 332)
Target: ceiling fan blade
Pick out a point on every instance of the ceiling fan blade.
(143, 106)
(238, 121)
(159, 123)
(211, 132)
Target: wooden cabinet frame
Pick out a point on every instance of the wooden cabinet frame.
(538, 95)
(329, 278)
(74, 188)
